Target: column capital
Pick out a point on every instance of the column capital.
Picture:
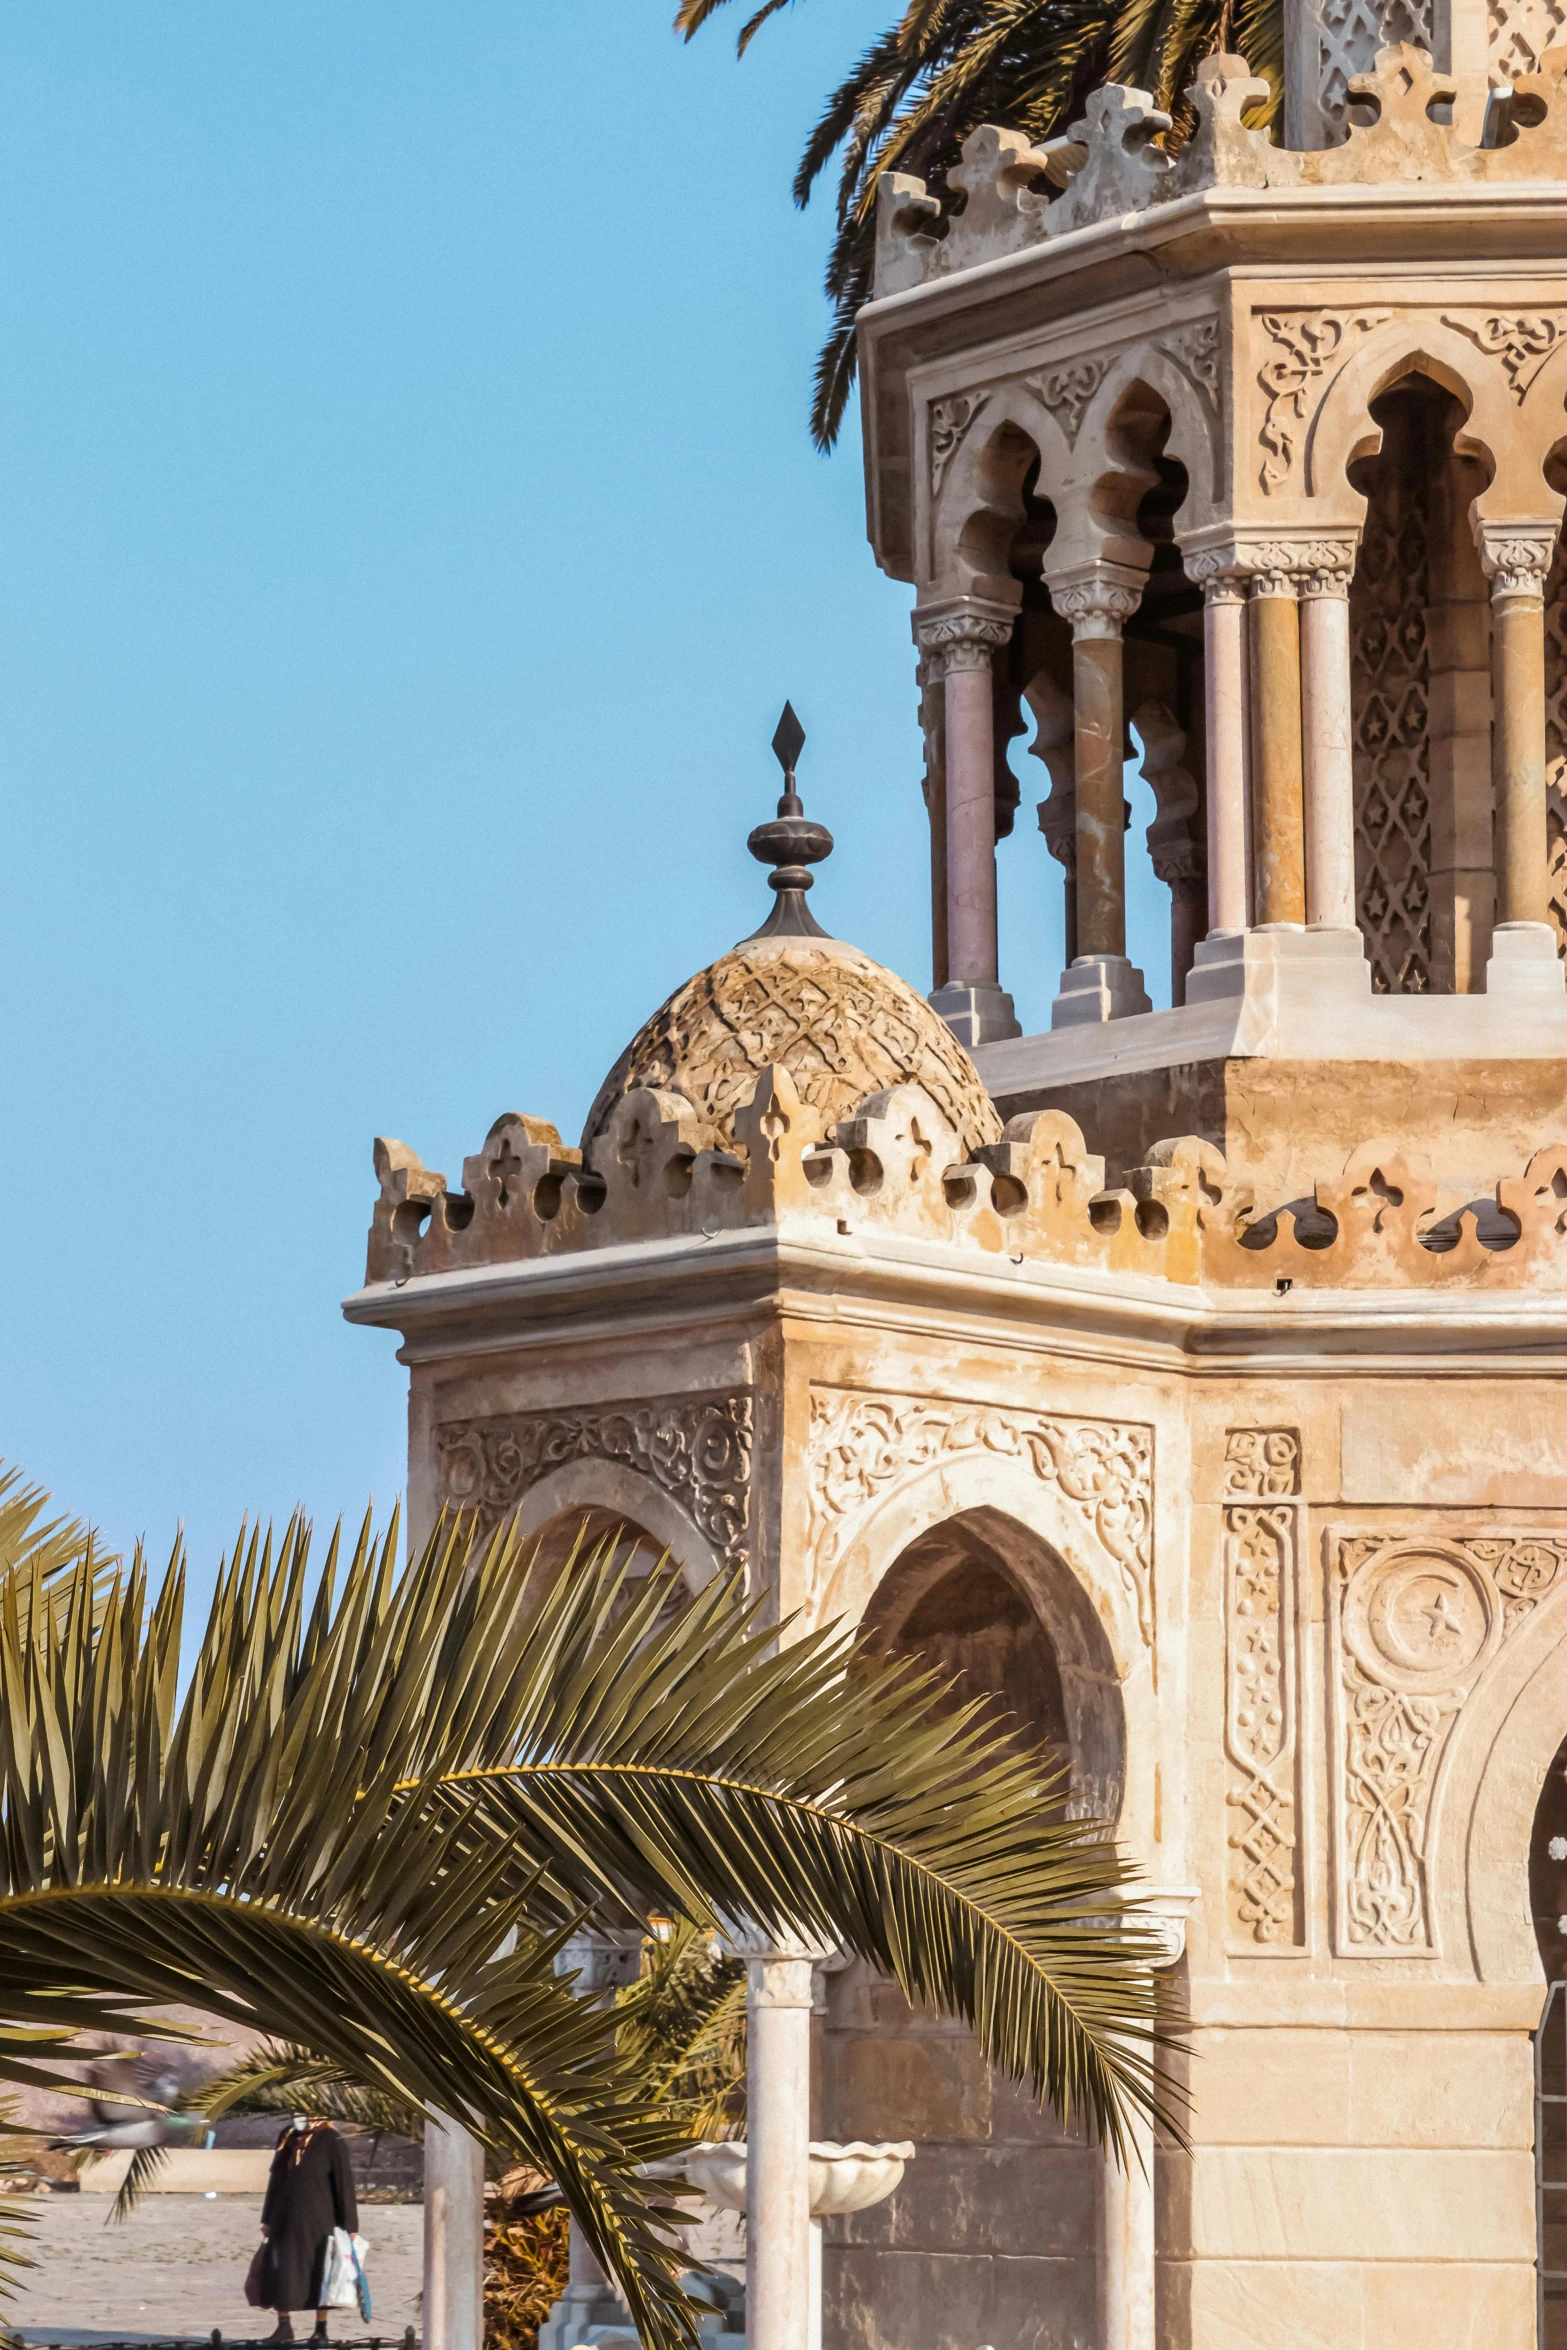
(744, 1938)
(1098, 598)
(1310, 564)
(1516, 556)
(963, 632)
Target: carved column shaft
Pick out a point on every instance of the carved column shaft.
(778, 2138)
(1097, 605)
(1277, 800)
(933, 725)
(960, 643)
(1225, 685)
(1327, 740)
(1517, 558)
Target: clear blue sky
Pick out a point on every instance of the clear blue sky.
(408, 534)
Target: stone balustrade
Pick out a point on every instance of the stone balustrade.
(1038, 1195)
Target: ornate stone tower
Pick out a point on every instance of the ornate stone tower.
(1226, 1445)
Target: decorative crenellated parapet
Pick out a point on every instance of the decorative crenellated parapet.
(1115, 162)
(1036, 1196)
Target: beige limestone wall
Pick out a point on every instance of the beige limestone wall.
(1361, 2173)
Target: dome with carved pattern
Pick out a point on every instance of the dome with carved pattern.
(843, 1026)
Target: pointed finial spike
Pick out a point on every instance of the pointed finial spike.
(788, 743)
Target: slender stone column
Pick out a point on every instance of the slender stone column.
(453, 2237)
(778, 2138)
(1128, 2245)
(1100, 983)
(960, 642)
(1517, 557)
(1327, 736)
(1277, 811)
(1225, 695)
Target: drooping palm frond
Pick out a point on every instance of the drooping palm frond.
(944, 67)
(281, 2077)
(247, 1852)
(648, 1756)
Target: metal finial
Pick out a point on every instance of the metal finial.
(788, 743)
(790, 844)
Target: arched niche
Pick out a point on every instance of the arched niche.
(983, 1599)
(609, 1495)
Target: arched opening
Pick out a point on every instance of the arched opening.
(1420, 693)
(995, 2220)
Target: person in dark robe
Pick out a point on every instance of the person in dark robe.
(309, 2193)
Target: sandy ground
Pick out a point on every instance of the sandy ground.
(177, 2266)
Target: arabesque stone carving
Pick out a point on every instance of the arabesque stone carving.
(1262, 1673)
(863, 1445)
(1415, 1621)
(697, 1449)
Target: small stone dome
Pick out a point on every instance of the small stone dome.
(843, 1026)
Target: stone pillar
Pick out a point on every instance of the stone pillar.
(1128, 2251)
(1517, 557)
(1279, 843)
(602, 1963)
(778, 2137)
(453, 2237)
(1099, 983)
(960, 641)
(1227, 698)
(1327, 736)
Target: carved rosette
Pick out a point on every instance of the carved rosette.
(1262, 1681)
(863, 1445)
(1414, 1625)
(697, 1449)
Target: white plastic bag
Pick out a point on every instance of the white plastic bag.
(343, 2270)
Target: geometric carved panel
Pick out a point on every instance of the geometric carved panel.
(1389, 693)
(1414, 1622)
(1265, 1897)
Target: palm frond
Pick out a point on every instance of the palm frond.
(944, 67)
(654, 1757)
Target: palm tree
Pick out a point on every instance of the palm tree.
(946, 66)
(372, 1818)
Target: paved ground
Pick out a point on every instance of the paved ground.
(178, 2267)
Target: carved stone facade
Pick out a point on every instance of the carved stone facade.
(1415, 1624)
(862, 1445)
(1262, 1685)
(697, 1449)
